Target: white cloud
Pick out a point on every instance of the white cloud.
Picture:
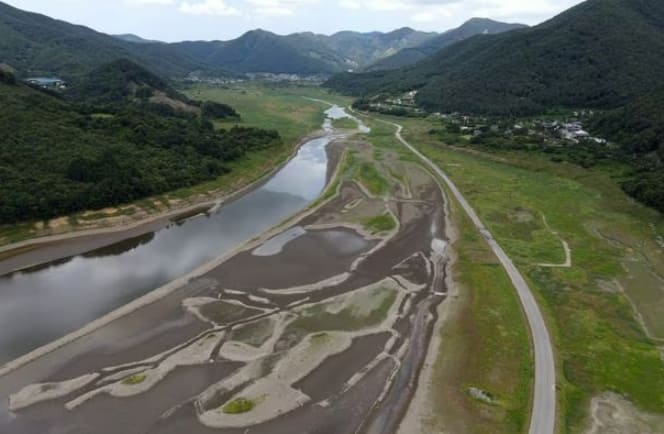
(149, 2)
(433, 10)
(207, 7)
(350, 4)
(278, 7)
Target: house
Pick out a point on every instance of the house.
(47, 82)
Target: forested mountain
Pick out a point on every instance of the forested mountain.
(601, 53)
(129, 37)
(57, 157)
(472, 27)
(363, 49)
(35, 44)
(262, 51)
(639, 129)
(123, 82)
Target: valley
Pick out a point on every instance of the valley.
(270, 217)
(371, 297)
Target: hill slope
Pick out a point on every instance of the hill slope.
(601, 53)
(363, 49)
(639, 129)
(57, 158)
(472, 27)
(129, 37)
(38, 45)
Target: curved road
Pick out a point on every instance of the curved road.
(543, 416)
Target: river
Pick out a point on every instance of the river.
(45, 303)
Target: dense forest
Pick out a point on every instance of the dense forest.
(57, 157)
(599, 54)
(639, 129)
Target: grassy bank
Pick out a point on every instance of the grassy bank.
(593, 307)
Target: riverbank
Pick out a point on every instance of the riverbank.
(285, 110)
(329, 315)
(76, 240)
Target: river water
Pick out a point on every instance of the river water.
(44, 304)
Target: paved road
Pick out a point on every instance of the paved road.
(543, 417)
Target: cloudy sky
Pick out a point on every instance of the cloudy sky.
(176, 20)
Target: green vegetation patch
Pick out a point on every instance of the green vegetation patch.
(369, 176)
(344, 124)
(134, 379)
(239, 405)
(380, 224)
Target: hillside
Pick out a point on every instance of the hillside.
(261, 51)
(57, 158)
(35, 44)
(639, 129)
(414, 54)
(363, 49)
(577, 59)
(129, 37)
(123, 82)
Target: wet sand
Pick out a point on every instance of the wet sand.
(313, 257)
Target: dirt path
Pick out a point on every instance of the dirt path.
(568, 252)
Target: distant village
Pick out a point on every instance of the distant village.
(570, 130)
(566, 128)
(195, 78)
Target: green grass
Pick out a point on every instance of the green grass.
(600, 344)
(284, 109)
(344, 124)
(379, 224)
(239, 405)
(369, 176)
(134, 379)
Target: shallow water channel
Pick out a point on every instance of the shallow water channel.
(45, 303)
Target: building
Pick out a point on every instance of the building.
(47, 82)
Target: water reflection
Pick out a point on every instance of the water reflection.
(42, 304)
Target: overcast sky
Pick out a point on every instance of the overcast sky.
(176, 20)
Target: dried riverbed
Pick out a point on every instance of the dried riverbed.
(321, 325)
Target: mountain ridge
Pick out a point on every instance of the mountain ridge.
(472, 27)
(574, 60)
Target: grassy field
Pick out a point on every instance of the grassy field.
(598, 307)
(344, 124)
(371, 178)
(285, 109)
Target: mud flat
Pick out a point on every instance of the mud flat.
(235, 347)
